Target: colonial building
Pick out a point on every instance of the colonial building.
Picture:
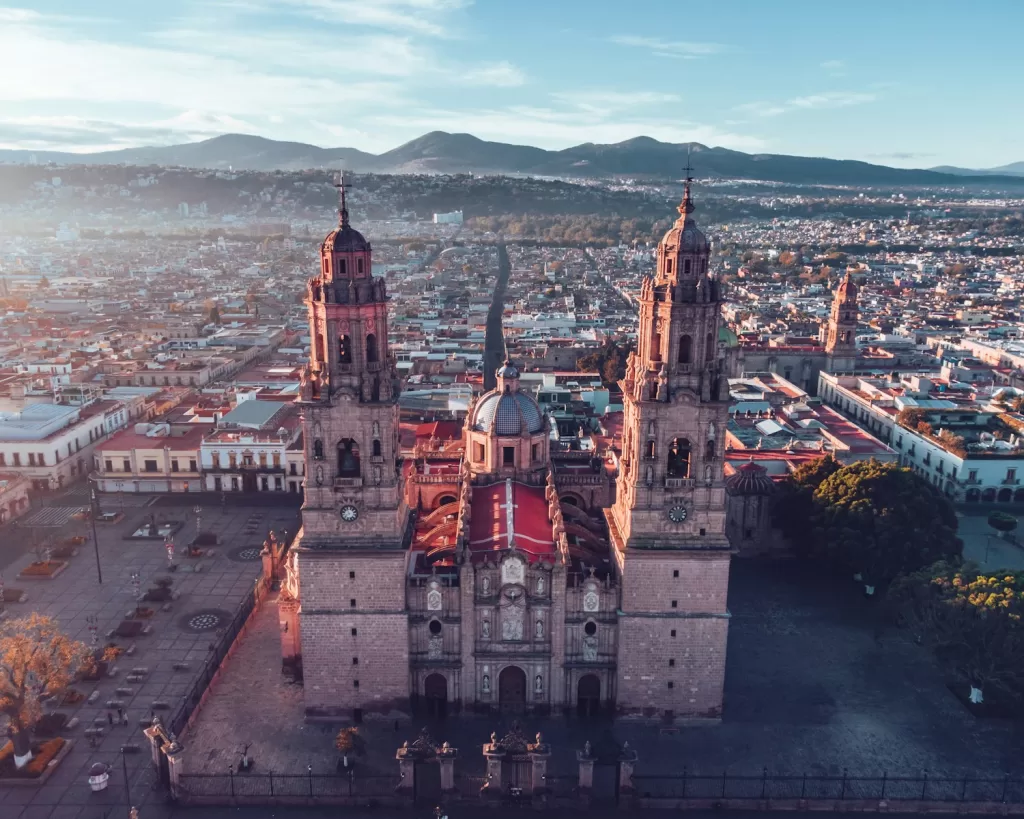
(491, 569)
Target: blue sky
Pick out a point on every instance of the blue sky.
(913, 83)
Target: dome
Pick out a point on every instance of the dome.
(847, 288)
(508, 413)
(345, 239)
(750, 479)
(687, 237)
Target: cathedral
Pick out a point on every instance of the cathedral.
(484, 571)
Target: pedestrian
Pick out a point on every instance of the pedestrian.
(120, 716)
(110, 718)
(124, 719)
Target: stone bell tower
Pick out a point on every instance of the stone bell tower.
(668, 521)
(840, 343)
(355, 523)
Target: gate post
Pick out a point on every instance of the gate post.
(627, 761)
(406, 773)
(446, 755)
(493, 754)
(539, 752)
(586, 775)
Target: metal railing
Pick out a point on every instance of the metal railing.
(269, 786)
(924, 788)
(190, 701)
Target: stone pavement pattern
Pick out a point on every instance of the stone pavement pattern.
(222, 582)
(813, 684)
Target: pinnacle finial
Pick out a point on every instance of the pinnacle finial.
(342, 186)
(686, 207)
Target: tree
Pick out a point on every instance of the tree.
(350, 741)
(971, 620)
(1002, 522)
(36, 658)
(880, 520)
(794, 504)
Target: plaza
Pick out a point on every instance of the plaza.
(156, 669)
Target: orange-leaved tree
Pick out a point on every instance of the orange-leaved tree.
(36, 658)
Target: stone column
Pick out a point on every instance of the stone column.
(407, 777)
(288, 617)
(586, 777)
(175, 764)
(492, 787)
(539, 761)
(447, 774)
(467, 633)
(556, 676)
(155, 734)
(267, 558)
(627, 762)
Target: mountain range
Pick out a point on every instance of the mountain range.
(441, 152)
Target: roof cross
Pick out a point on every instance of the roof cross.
(342, 186)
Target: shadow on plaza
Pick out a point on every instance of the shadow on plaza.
(815, 684)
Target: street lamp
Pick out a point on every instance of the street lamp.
(132, 813)
(94, 512)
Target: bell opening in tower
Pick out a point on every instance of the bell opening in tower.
(679, 458)
(348, 459)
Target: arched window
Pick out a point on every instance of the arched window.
(342, 267)
(344, 350)
(321, 355)
(649, 451)
(709, 347)
(668, 266)
(686, 267)
(685, 349)
(709, 450)
(656, 347)
(371, 349)
(348, 458)
(359, 266)
(679, 458)
(318, 450)
(376, 448)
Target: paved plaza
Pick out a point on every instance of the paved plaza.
(814, 684)
(984, 546)
(208, 590)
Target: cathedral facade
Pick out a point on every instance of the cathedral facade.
(484, 570)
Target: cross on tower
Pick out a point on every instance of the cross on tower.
(509, 506)
(686, 206)
(342, 186)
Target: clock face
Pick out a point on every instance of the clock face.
(349, 513)
(677, 514)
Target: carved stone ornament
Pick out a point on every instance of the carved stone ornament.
(513, 571)
(319, 476)
(434, 599)
(591, 599)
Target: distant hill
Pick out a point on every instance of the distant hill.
(441, 152)
(1013, 169)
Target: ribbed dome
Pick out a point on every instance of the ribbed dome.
(509, 413)
(687, 237)
(750, 479)
(345, 239)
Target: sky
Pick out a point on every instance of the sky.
(910, 84)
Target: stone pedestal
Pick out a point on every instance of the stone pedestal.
(447, 765)
(539, 761)
(175, 765)
(288, 620)
(585, 783)
(492, 786)
(407, 777)
(627, 762)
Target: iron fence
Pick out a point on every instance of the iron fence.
(190, 700)
(769, 786)
(253, 786)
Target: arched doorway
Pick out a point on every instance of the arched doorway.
(1005, 495)
(444, 500)
(512, 688)
(973, 495)
(435, 692)
(989, 495)
(588, 696)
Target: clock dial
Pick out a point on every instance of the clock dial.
(349, 513)
(677, 514)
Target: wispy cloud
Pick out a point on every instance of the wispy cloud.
(607, 101)
(678, 49)
(828, 99)
(835, 68)
(420, 16)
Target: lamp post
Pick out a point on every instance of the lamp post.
(119, 485)
(94, 512)
(132, 813)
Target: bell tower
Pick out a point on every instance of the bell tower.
(355, 523)
(840, 344)
(668, 521)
